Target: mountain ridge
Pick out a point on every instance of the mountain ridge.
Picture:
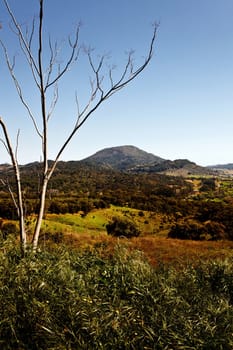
(227, 166)
(133, 159)
(126, 158)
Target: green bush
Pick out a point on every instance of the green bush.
(8, 228)
(187, 229)
(122, 227)
(195, 230)
(68, 300)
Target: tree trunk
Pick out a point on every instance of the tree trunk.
(19, 202)
(40, 214)
(47, 71)
(23, 236)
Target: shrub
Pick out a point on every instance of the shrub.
(66, 300)
(7, 209)
(192, 229)
(216, 230)
(208, 185)
(57, 207)
(187, 229)
(8, 228)
(55, 237)
(122, 227)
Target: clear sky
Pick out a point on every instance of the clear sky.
(180, 107)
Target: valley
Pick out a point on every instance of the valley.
(177, 199)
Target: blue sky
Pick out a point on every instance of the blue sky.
(180, 107)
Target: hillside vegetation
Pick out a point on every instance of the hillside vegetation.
(193, 207)
(80, 299)
(123, 158)
(198, 208)
(162, 280)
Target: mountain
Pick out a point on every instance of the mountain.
(178, 167)
(128, 159)
(228, 166)
(225, 170)
(123, 158)
(135, 160)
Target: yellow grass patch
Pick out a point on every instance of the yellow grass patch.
(156, 249)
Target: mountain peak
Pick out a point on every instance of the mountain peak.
(123, 157)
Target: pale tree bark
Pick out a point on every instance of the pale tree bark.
(47, 77)
(19, 202)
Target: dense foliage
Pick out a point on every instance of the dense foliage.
(76, 186)
(197, 208)
(63, 299)
(122, 227)
(192, 229)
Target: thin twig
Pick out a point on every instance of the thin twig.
(18, 88)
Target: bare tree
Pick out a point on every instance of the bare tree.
(46, 76)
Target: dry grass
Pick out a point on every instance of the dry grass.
(179, 252)
(90, 233)
(157, 249)
(62, 299)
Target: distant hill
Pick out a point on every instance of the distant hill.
(123, 158)
(126, 159)
(225, 170)
(228, 166)
(135, 160)
(178, 167)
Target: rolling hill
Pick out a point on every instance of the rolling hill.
(228, 166)
(123, 158)
(133, 159)
(128, 159)
(178, 167)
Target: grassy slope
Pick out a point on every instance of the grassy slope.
(63, 299)
(95, 221)
(90, 232)
(68, 299)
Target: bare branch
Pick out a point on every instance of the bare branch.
(78, 108)
(53, 102)
(17, 144)
(8, 142)
(26, 48)
(73, 57)
(99, 79)
(110, 75)
(53, 55)
(5, 145)
(121, 83)
(86, 107)
(31, 34)
(18, 88)
(47, 72)
(42, 89)
(7, 185)
(23, 237)
(127, 67)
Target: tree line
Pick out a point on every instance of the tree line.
(78, 187)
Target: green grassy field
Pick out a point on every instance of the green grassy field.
(85, 289)
(96, 220)
(89, 232)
